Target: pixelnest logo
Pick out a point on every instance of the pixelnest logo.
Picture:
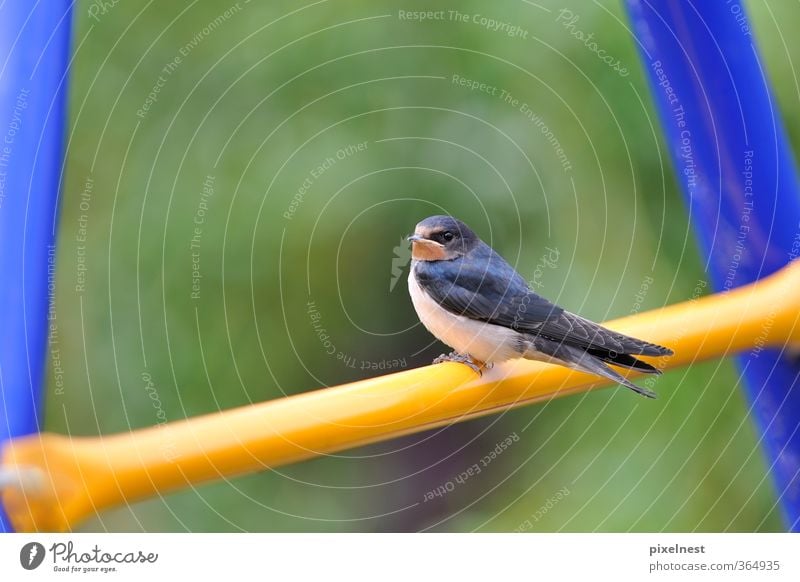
(31, 555)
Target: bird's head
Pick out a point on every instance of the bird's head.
(441, 238)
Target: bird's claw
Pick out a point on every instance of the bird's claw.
(478, 367)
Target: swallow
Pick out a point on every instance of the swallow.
(471, 299)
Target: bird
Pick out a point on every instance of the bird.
(471, 299)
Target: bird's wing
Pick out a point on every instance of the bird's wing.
(487, 288)
(576, 331)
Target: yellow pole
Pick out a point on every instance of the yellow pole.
(64, 479)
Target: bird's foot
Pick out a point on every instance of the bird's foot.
(478, 367)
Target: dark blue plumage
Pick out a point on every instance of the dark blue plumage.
(483, 286)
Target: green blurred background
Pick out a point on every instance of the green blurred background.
(262, 96)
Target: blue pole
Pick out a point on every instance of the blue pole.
(34, 55)
(740, 183)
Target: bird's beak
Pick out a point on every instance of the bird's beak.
(414, 238)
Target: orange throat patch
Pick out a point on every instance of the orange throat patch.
(427, 251)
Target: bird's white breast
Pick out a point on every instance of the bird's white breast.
(483, 341)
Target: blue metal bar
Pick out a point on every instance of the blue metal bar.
(738, 176)
(34, 56)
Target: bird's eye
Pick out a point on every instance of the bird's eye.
(448, 236)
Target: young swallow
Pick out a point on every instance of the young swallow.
(471, 299)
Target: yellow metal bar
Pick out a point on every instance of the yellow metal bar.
(80, 476)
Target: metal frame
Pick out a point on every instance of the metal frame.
(739, 181)
(34, 57)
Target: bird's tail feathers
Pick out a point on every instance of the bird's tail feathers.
(593, 364)
(625, 361)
